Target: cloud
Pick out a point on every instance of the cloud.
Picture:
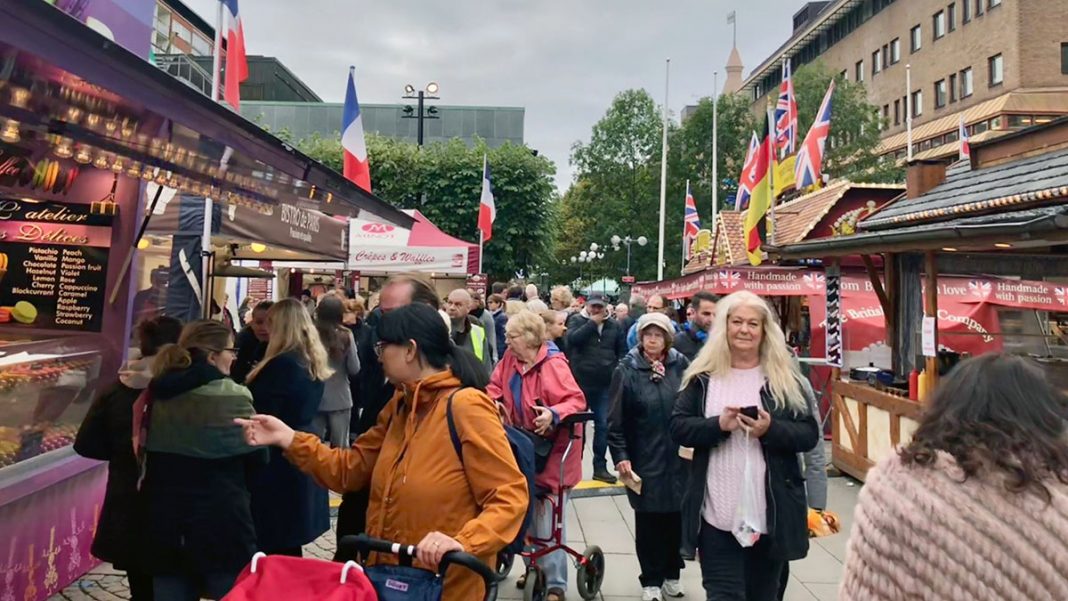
(563, 60)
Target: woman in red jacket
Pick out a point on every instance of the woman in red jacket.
(534, 385)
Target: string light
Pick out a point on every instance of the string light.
(101, 161)
(134, 171)
(64, 148)
(10, 133)
(19, 97)
(83, 156)
(117, 165)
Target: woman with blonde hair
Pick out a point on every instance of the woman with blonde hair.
(290, 509)
(560, 298)
(745, 412)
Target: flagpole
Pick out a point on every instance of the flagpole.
(771, 176)
(480, 251)
(205, 236)
(663, 174)
(908, 110)
(715, 147)
(686, 240)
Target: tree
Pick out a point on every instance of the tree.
(855, 126)
(443, 180)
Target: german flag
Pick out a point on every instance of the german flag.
(756, 218)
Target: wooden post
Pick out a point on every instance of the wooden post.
(931, 310)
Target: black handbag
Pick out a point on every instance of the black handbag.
(543, 447)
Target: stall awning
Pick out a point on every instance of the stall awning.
(377, 247)
(64, 80)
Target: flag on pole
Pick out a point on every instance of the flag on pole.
(731, 17)
(809, 168)
(965, 147)
(756, 224)
(691, 221)
(786, 114)
(356, 167)
(487, 208)
(236, 62)
(745, 180)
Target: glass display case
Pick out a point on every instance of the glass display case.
(46, 388)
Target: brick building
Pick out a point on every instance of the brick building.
(1002, 64)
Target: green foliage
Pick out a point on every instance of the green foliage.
(443, 180)
(855, 126)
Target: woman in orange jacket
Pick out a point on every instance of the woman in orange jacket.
(421, 490)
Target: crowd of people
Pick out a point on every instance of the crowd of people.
(222, 445)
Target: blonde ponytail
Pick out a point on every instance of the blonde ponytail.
(198, 338)
(170, 357)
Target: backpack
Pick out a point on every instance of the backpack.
(523, 451)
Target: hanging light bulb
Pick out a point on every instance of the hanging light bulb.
(117, 165)
(128, 128)
(64, 148)
(19, 97)
(92, 121)
(10, 133)
(134, 171)
(83, 156)
(111, 126)
(148, 173)
(74, 114)
(101, 161)
(143, 243)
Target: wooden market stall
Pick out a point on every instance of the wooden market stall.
(1000, 221)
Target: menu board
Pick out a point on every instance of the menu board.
(53, 259)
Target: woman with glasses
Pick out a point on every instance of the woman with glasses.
(290, 509)
(423, 489)
(199, 531)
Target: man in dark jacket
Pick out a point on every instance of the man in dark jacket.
(694, 334)
(595, 346)
(251, 343)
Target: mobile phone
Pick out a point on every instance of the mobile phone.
(750, 412)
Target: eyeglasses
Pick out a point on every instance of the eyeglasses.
(381, 344)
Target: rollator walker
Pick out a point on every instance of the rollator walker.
(589, 564)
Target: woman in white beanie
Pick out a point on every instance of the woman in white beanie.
(643, 393)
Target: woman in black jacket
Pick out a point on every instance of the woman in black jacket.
(743, 402)
(289, 508)
(105, 434)
(642, 395)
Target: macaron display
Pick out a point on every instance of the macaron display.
(24, 312)
(5, 314)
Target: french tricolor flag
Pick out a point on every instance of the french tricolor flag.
(236, 62)
(356, 167)
(965, 147)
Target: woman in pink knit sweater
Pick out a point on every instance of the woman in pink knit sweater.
(976, 506)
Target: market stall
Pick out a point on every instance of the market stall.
(84, 125)
(988, 236)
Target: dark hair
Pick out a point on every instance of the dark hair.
(515, 293)
(424, 325)
(264, 305)
(154, 333)
(198, 339)
(495, 298)
(422, 289)
(329, 315)
(703, 296)
(498, 287)
(996, 413)
(306, 292)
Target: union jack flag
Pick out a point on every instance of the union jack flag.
(691, 222)
(809, 168)
(786, 114)
(747, 178)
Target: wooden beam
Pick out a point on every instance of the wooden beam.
(877, 285)
(891, 289)
(931, 310)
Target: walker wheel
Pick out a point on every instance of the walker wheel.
(590, 573)
(535, 588)
(504, 564)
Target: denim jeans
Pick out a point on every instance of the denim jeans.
(597, 402)
(554, 565)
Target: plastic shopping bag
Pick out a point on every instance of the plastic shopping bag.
(747, 517)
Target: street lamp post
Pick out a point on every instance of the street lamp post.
(640, 240)
(419, 113)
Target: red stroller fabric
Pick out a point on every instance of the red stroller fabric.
(282, 578)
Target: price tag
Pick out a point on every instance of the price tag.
(928, 337)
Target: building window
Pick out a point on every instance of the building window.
(1064, 58)
(994, 3)
(997, 70)
(876, 63)
(201, 46)
(939, 24)
(859, 74)
(979, 7)
(966, 87)
(886, 113)
(917, 103)
(897, 112)
(917, 38)
(953, 87)
(951, 16)
(966, 11)
(895, 51)
(940, 93)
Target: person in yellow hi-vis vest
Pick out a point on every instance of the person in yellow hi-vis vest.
(466, 331)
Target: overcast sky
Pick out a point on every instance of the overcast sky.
(563, 60)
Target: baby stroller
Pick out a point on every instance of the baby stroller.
(589, 563)
(404, 582)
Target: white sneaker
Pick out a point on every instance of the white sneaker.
(651, 593)
(673, 588)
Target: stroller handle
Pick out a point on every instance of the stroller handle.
(365, 544)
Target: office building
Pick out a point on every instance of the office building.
(1001, 64)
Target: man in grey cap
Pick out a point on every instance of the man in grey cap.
(595, 346)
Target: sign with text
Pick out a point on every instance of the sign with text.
(53, 259)
(478, 282)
